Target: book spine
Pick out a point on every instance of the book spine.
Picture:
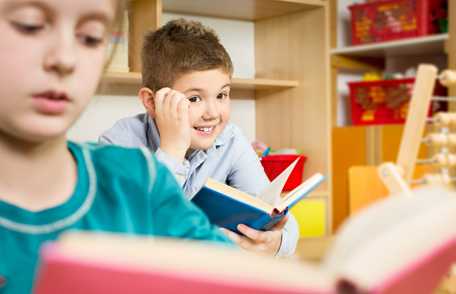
(261, 223)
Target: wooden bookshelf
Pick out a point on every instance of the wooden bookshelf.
(130, 78)
(434, 44)
(240, 9)
(372, 145)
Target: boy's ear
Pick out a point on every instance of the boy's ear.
(147, 98)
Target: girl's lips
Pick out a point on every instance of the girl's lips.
(50, 102)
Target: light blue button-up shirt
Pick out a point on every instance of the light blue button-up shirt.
(230, 160)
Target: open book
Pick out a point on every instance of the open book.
(399, 245)
(227, 207)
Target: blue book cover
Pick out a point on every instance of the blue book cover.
(228, 207)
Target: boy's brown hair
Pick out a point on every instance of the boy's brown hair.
(179, 47)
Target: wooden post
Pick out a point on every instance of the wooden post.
(392, 176)
(416, 119)
(144, 15)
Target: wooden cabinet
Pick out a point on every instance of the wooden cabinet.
(376, 144)
(291, 82)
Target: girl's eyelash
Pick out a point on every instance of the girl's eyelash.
(90, 41)
(28, 28)
(31, 29)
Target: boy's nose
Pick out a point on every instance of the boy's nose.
(212, 110)
(61, 55)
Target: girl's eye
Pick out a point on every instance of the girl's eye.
(222, 95)
(92, 33)
(27, 28)
(90, 41)
(28, 19)
(194, 99)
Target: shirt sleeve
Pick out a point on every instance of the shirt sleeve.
(105, 139)
(248, 175)
(290, 237)
(117, 135)
(175, 216)
(179, 169)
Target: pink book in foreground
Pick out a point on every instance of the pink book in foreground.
(399, 245)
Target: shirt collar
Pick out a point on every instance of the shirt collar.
(224, 136)
(153, 136)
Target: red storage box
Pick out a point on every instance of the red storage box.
(384, 101)
(275, 164)
(385, 20)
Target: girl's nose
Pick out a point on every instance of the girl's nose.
(61, 54)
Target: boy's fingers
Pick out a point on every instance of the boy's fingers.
(233, 236)
(164, 90)
(159, 105)
(279, 226)
(257, 236)
(168, 104)
(159, 96)
(183, 107)
(246, 243)
(175, 99)
(241, 241)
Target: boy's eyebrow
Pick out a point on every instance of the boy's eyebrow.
(226, 85)
(202, 90)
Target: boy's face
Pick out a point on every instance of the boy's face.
(209, 95)
(52, 53)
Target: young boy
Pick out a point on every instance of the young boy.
(186, 92)
(53, 53)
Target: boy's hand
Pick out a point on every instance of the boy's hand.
(253, 240)
(172, 118)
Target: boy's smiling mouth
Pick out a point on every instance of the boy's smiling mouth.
(206, 130)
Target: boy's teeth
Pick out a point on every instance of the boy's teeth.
(206, 130)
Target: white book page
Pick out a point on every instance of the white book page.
(303, 189)
(271, 194)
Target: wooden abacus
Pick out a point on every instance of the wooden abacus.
(441, 139)
(398, 176)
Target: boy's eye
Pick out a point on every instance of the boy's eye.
(194, 99)
(222, 95)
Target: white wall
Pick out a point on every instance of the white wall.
(343, 22)
(237, 37)
(101, 114)
(343, 107)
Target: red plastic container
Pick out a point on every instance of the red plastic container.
(386, 20)
(385, 101)
(370, 99)
(274, 164)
